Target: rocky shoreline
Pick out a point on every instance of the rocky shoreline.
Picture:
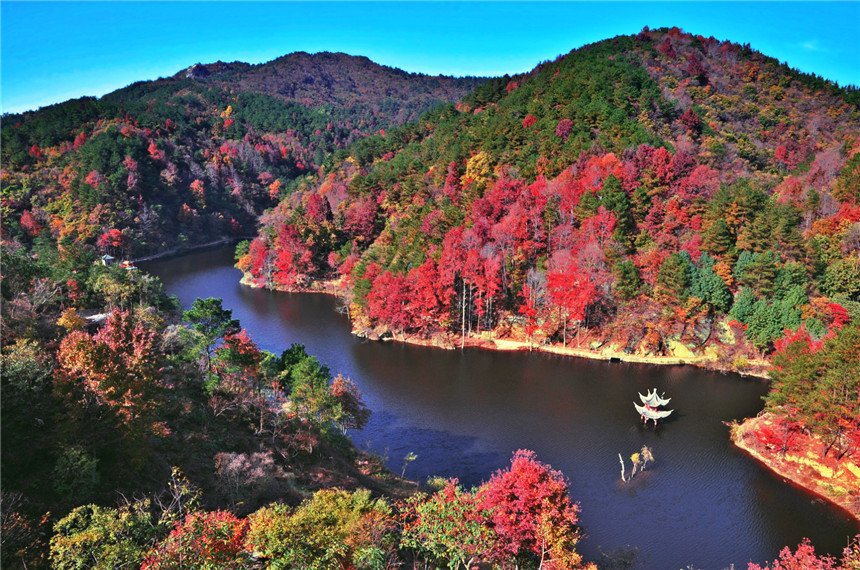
(491, 340)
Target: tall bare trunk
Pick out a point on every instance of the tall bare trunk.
(564, 330)
(463, 318)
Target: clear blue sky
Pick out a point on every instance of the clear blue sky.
(54, 51)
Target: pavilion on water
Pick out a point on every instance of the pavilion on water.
(649, 410)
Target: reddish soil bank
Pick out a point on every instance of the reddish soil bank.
(804, 463)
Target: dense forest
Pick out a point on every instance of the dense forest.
(160, 438)
(658, 194)
(689, 183)
(197, 156)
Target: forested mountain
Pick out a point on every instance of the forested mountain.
(654, 194)
(364, 93)
(198, 155)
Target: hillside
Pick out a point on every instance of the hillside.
(373, 96)
(662, 194)
(196, 156)
(169, 439)
(654, 196)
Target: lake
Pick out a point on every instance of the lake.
(702, 503)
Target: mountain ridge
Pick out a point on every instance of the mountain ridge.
(206, 150)
(660, 164)
(285, 75)
(642, 196)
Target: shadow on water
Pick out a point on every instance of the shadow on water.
(440, 453)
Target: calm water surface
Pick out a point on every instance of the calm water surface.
(702, 503)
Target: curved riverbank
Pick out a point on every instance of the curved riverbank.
(492, 340)
(197, 248)
(463, 412)
(837, 481)
(489, 342)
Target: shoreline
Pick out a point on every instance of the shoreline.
(179, 252)
(795, 470)
(803, 465)
(488, 341)
(568, 351)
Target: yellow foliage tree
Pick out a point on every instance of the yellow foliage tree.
(71, 320)
(724, 272)
(477, 173)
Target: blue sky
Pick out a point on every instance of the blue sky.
(54, 51)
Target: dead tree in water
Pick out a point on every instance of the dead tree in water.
(646, 455)
(640, 460)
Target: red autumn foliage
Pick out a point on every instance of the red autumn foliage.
(526, 502)
(275, 190)
(563, 128)
(777, 437)
(198, 190)
(571, 288)
(154, 152)
(347, 395)
(79, 141)
(839, 314)
(259, 255)
(529, 310)
(318, 209)
(847, 214)
(360, 218)
(118, 365)
(666, 48)
(111, 239)
(293, 258)
(693, 246)
(702, 182)
(29, 223)
(804, 558)
(691, 121)
(388, 299)
(429, 299)
(133, 170)
(94, 179)
(696, 69)
(203, 540)
(241, 350)
(801, 336)
(74, 290)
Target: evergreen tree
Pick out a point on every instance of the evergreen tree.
(708, 286)
(673, 279)
(211, 322)
(628, 284)
(718, 239)
(758, 271)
